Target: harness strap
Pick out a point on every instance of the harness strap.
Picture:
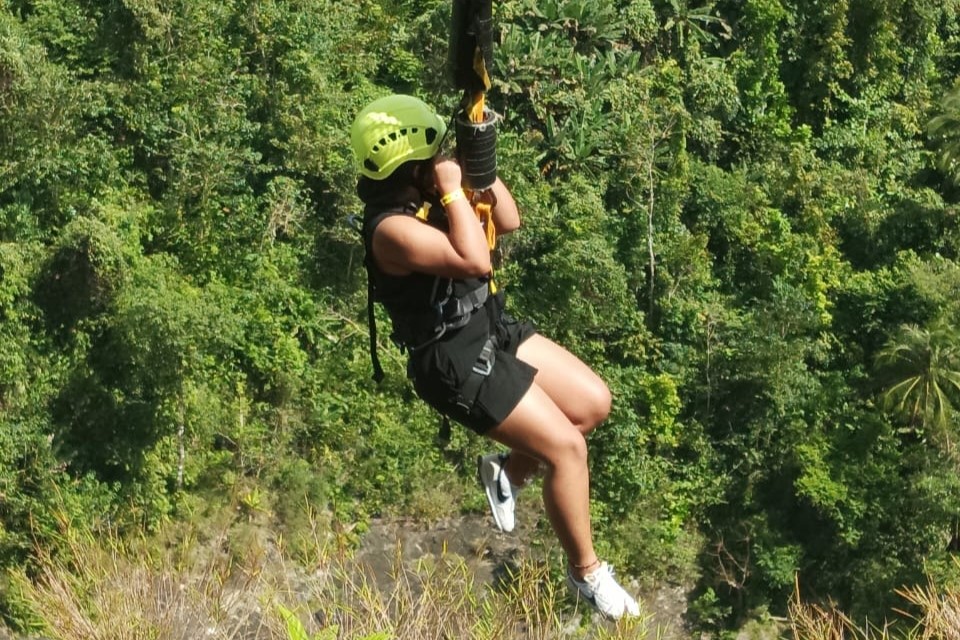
(372, 324)
(449, 314)
(481, 369)
(356, 224)
(459, 314)
(467, 396)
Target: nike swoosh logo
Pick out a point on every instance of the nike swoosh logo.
(501, 494)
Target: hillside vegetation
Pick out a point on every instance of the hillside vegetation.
(743, 214)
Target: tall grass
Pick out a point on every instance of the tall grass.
(930, 613)
(243, 584)
(247, 587)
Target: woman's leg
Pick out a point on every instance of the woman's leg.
(580, 393)
(575, 389)
(539, 429)
(552, 431)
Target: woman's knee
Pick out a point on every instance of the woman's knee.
(597, 401)
(569, 450)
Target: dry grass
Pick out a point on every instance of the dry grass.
(109, 589)
(244, 585)
(816, 622)
(105, 588)
(935, 616)
(939, 611)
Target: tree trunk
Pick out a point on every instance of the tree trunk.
(651, 255)
(181, 448)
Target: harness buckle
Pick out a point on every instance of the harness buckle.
(483, 367)
(484, 362)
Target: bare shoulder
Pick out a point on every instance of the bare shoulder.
(402, 231)
(403, 243)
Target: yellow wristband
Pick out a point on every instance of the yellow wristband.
(450, 197)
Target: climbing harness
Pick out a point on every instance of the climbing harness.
(414, 331)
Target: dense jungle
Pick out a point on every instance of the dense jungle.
(743, 214)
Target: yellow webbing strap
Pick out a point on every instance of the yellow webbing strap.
(484, 211)
(480, 68)
(423, 212)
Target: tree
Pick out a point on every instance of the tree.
(944, 132)
(923, 366)
(692, 23)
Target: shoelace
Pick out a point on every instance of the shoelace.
(598, 576)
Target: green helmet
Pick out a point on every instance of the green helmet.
(393, 130)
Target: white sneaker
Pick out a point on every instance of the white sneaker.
(497, 487)
(601, 590)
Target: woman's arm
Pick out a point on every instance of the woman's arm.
(403, 244)
(506, 216)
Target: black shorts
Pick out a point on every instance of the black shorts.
(440, 371)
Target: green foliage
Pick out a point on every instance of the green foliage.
(817, 57)
(50, 168)
(944, 131)
(16, 315)
(573, 268)
(923, 367)
(765, 117)
(730, 210)
(296, 630)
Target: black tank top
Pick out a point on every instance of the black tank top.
(412, 300)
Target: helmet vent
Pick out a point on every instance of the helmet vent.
(371, 165)
(431, 134)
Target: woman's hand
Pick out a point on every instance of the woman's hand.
(402, 244)
(446, 175)
(448, 178)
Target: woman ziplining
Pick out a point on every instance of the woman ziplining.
(429, 264)
(430, 225)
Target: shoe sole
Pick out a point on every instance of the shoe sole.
(491, 499)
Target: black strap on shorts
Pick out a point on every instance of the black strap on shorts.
(372, 328)
(481, 369)
(467, 397)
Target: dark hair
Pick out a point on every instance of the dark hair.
(401, 188)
